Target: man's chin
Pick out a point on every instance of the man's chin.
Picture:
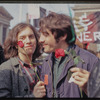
(29, 52)
(47, 51)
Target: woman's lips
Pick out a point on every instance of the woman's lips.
(28, 46)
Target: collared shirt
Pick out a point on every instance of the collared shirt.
(30, 73)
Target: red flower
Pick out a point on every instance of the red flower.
(59, 53)
(21, 44)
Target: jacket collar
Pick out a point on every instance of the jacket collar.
(14, 61)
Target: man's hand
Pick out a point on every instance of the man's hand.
(81, 77)
(39, 90)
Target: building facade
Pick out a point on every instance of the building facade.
(5, 19)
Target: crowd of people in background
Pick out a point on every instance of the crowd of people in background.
(21, 76)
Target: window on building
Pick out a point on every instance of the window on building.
(4, 34)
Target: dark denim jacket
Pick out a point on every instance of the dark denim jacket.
(63, 88)
(13, 83)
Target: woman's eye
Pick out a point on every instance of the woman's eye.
(22, 38)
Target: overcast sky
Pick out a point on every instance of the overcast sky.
(14, 10)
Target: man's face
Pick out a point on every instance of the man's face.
(48, 41)
(29, 40)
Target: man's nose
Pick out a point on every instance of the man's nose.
(41, 39)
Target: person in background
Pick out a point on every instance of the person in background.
(2, 59)
(57, 32)
(98, 54)
(19, 75)
(93, 87)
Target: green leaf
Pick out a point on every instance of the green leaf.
(76, 60)
(66, 52)
(73, 53)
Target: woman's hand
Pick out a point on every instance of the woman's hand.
(39, 90)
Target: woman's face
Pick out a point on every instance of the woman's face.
(28, 38)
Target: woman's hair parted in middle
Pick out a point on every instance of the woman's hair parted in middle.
(10, 43)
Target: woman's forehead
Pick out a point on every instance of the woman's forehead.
(26, 31)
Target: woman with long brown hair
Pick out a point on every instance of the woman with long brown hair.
(19, 74)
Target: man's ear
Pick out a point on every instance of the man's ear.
(63, 38)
